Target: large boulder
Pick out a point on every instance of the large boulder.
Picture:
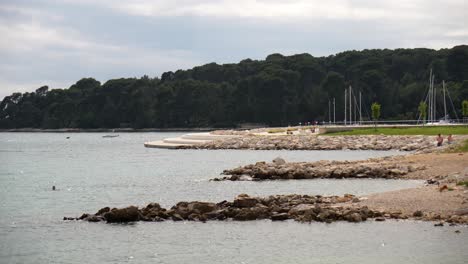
(301, 209)
(279, 217)
(202, 207)
(279, 161)
(245, 214)
(128, 214)
(244, 201)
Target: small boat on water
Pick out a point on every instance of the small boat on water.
(110, 136)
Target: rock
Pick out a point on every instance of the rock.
(202, 207)
(245, 214)
(301, 209)
(243, 202)
(83, 216)
(354, 217)
(379, 219)
(177, 217)
(418, 214)
(103, 211)
(279, 161)
(439, 224)
(128, 214)
(279, 217)
(153, 206)
(94, 218)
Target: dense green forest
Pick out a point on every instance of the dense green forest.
(280, 90)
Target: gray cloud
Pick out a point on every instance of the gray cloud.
(59, 42)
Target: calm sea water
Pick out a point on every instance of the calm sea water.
(91, 172)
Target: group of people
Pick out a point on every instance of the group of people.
(440, 139)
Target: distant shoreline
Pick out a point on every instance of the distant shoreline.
(106, 130)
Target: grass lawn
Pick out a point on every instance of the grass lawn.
(428, 130)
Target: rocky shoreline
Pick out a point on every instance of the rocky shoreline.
(314, 142)
(301, 208)
(279, 169)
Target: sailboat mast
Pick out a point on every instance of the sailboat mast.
(345, 100)
(334, 116)
(350, 105)
(360, 112)
(434, 105)
(430, 97)
(445, 105)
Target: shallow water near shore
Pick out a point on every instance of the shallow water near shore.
(91, 172)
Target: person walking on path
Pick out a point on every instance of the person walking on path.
(440, 139)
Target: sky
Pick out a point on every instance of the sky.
(56, 43)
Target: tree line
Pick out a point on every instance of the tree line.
(280, 90)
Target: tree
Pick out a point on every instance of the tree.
(375, 108)
(422, 108)
(465, 108)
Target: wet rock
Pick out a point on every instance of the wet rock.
(279, 217)
(354, 217)
(245, 214)
(177, 217)
(128, 214)
(153, 206)
(201, 207)
(301, 209)
(94, 218)
(439, 224)
(279, 161)
(418, 214)
(379, 219)
(103, 211)
(243, 201)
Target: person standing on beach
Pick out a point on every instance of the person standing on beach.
(440, 139)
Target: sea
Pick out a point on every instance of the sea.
(90, 171)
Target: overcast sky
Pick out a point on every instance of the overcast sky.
(56, 43)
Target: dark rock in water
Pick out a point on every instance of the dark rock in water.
(245, 214)
(279, 217)
(103, 211)
(94, 218)
(245, 201)
(177, 217)
(418, 213)
(302, 208)
(201, 207)
(128, 214)
(354, 217)
(83, 216)
(153, 206)
(439, 224)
